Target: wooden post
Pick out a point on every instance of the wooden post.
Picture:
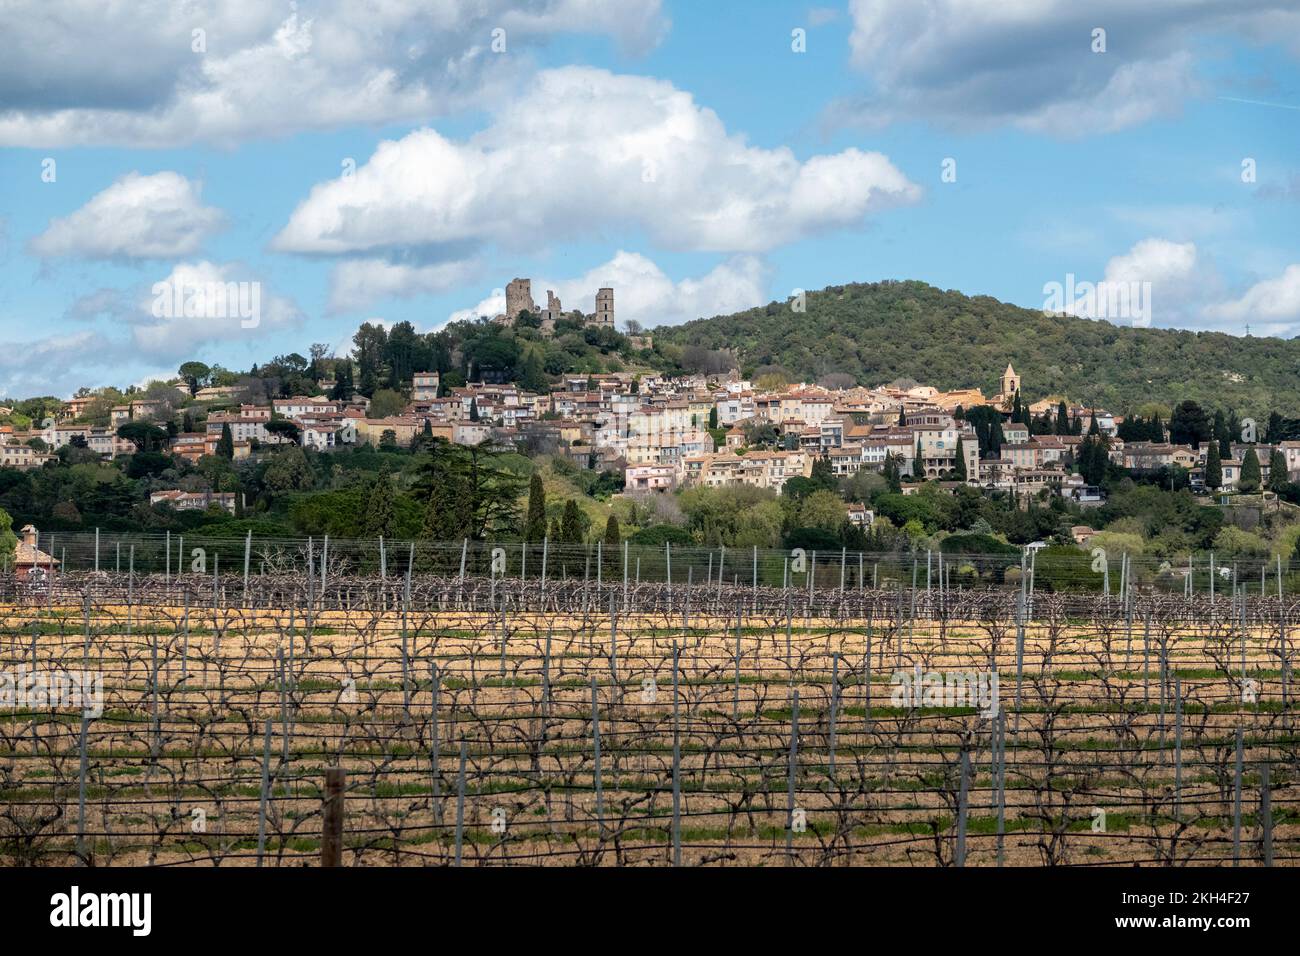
(1266, 812)
(331, 837)
(959, 858)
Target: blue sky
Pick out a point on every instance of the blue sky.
(685, 152)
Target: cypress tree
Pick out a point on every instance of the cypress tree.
(1249, 481)
(571, 524)
(226, 444)
(1278, 478)
(535, 523)
(1214, 468)
(379, 507)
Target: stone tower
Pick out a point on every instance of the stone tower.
(605, 308)
(519, 298)
(1010, 383)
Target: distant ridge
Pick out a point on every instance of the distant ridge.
(881, 331)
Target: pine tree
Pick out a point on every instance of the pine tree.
(612, 536)
(535, 523)
(959, 466)
(1248, 483)
(1062, 419)
(1214, 468)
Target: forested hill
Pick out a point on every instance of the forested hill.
(881, 331)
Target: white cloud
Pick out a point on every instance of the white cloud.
(55, 364)
(203, 302)
(1031, 64)
(145, 217)
(1154, 260)
(1186, 291)
(357, 283)
(1153, 283)
(584, 151)
(645, 294)
(1270, 307)
(82, 71)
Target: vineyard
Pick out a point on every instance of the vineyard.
(282, 718)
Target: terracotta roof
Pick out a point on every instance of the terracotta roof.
(25, 556)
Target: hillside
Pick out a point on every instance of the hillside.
(881, 331)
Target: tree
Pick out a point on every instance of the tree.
(385, 403)
(1093, 459)
(1062, 419)
(342, 390)
(8, 541)
(822, 509)
(823, 474)
(226, 443)
(284, 428)
(467, 493)
(378, 520)
(713, 417)
(1276, 431)
(571, 523)
(1278, 478)
(612, 536)
(959, 465)
(535, 523)
(532, 375)
(893, 479)
(371, 342)
(1248, 483)
(289, 471)
(195, 375)
(1214, 468)
(1189, 425)
(145, 436)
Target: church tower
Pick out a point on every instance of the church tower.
(1010, 383)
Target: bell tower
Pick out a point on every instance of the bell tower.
(1010, 382)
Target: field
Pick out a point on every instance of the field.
(487, 722)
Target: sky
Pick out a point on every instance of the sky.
(338, 161)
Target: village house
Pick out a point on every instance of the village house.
(30, 562)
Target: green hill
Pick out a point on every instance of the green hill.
(881, 331)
